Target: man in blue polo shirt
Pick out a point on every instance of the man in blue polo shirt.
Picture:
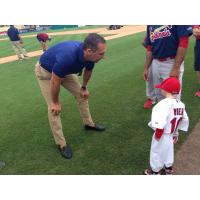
(59, 66)
(17, 42)
(166, 49)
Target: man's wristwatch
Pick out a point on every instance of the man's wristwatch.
(83, 87)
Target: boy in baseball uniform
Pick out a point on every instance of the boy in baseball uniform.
(168, 116)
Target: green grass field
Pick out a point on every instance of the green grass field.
(117, 96)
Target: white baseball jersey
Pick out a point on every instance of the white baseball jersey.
(170, 115)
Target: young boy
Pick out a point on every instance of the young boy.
(167, 117)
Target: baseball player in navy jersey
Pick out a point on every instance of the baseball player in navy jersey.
(17, 42)
(168, 116)
(150, 90)
(196, 33)
(166, 49)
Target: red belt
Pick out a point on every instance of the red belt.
(167, 58)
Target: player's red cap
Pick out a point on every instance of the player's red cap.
(171, 85)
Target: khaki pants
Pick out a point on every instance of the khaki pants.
(71, 83)
(19, 49)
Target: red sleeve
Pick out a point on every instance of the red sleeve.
(159, 133)
(183, 42)
(149, 48)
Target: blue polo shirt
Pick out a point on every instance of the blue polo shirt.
(65, 58)
(164, 39)
(13, 34)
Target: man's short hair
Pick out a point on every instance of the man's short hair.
(92, 41)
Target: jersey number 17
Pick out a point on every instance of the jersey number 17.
(174, 124)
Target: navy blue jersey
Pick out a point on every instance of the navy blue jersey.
(13, 34)
(65, 58)
(197, 56)
(164, 39)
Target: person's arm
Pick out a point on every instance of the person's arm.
(158, 133)
(86, 77)
(55, 90)
(180, 55)
(17, 33)
(147, 64)
(8, 34)
(20, 39)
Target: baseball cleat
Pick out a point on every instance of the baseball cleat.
(148, 103)
(151, 172)
(197, 94)
(168, 171)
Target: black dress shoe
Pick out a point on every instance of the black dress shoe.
(95, 128)
(66, 151)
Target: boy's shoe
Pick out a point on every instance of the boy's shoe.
(151, 172)
(168, 171)
(197, 94)
(148, 103)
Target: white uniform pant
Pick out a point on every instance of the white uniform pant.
(150, 89)
(161, 71)
(162, 152)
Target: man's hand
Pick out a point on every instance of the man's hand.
(175, 139)
(55, 108)
(174, 73)
(146, 74)
(85, 93)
